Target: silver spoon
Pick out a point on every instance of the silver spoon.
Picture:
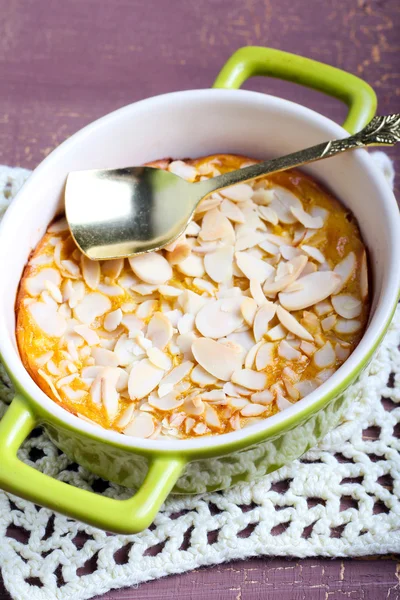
(113, 213)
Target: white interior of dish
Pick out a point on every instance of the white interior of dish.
(192, 124)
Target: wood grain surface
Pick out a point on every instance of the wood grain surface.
(63, 64)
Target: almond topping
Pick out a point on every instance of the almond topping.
(217, 359)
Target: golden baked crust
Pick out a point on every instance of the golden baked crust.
(339, 238)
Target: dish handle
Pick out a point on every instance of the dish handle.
(119, 516)
(254, 60)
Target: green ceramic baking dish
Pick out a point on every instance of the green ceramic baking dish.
(194, 123)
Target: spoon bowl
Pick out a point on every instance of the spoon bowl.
(115, 213)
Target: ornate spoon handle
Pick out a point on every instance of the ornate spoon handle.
(381, 131)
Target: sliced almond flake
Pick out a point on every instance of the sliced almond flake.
(201, 377)
(206, 247)
(253, 380)
(219, 318)
(184, 342)
(269, 248)
(347, 326)
(282, 202)
(112, 268)
(347, 306)
(58, 226)
(345, 269)
(193, 229)
(44, 358)
(170, 291)
(41, 259)
(238, 193)
(73, 353)
(289, 252)
(91, 372)
(132, 323)
(217, 359)
(294, 269)
(323, 308)
(282, 403)
(211, 417)
(268, 214)
(292, 324)
(186, 324)
(48, 319)
(54, 291)
(316, 287)
(109, 395)
(189, 424)
(364, 276)
(142, 341)
(249, 240)
(291, 390)
(252, 267)
(90, 272)
(251, 355)
(193, 406)
(200, 429)
(105, 358)
(141, 426)
(88, 334)
(66, 380)
(177, 374)
(204, 286)
(287, 351)
(253, 410)
(235, 422)
(146, 308)
(313, 253)
(305, 387)
(159, 359)
(143, 378)
(126, 417)
(265, 397)
(257, 292)
(50, 384)
(235, 390)
(218, 264)
(91, 306)
(48, 299)
(190, 302)
(70, 268)
(213, 396)
(180, 253)
(144, 289)
(113, 319)
(308, 348)
(232, 211)
(342, 353)
(264, 356)
(261, 196)
(328, 322)
(208, 204)
(215, 226)
(193, 266)
(305, 219)
(325, 356)
(180, 168)
(248, 309)
(34, 285)
(73, 395)
(261, 321)
(151, 268)
(276, 333)
(166, 403)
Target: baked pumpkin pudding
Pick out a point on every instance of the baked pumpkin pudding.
(261, 300)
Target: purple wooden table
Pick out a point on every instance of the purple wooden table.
(63, 64)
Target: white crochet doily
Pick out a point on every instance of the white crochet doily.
(340, 499)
